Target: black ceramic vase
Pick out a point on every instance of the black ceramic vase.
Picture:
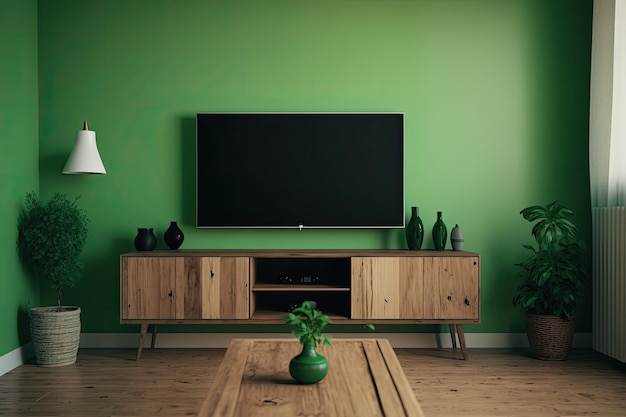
(173, 236)
(415, 230)
(145, 239)
(440, 233)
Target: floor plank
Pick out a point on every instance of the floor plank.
(174, 382)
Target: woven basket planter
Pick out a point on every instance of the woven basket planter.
(55, 335)
(550, 337)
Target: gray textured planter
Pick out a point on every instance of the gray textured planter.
(55, 335)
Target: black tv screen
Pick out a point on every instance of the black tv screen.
(300, 170)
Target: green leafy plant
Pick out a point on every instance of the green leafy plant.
(51, 236)
(554, 272)
(309, 324)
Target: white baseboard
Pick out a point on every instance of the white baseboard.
(397, 340)
(19, 356)
(15, 358)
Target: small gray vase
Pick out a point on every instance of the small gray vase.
(456, 238)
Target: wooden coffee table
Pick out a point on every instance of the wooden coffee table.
(365, 380)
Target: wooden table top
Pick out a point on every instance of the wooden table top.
(365, 380)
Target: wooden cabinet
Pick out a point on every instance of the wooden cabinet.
(260, 286)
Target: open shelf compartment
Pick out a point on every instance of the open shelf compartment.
(279, 284)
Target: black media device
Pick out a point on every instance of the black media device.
(295, 304)
(299, 279)
(300, 170)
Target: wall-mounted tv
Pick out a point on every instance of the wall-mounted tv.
(300, 170)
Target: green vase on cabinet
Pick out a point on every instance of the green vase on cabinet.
(415, 230)
(440, 233)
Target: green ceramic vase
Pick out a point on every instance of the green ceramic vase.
(415, 230)
(440, 233)
(309, 367)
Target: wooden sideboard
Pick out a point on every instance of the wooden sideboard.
(259, 286)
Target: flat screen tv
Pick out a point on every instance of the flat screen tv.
(300, 170)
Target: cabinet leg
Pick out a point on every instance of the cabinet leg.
(453, 335)
(154, 335)
(459, 330)
(142, 337)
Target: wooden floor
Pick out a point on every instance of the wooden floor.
(173, 382)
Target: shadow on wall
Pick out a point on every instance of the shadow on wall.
(23, 325)
(98, 292)
(393, 239)
(52, 165)
(23, 312)
(188, 155)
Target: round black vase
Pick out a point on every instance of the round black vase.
(173, 236)
(145, 239)
(440, 233)
(415, 230)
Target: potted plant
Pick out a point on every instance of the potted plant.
(552, 275)
(51, 236)
(309, 367)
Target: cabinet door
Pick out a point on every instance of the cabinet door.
(387, 288)
(180, 288)
(452, 288)
(149, 288)
(224, 287)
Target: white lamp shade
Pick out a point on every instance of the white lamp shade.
(85, 158)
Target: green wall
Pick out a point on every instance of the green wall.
(18, 160)
(496, 97)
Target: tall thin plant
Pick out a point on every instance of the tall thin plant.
(51, 237)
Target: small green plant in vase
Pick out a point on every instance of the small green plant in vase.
(309, 367)
(309, 324)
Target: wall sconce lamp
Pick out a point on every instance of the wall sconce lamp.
(84, 158)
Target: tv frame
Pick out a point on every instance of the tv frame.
(303, 226)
